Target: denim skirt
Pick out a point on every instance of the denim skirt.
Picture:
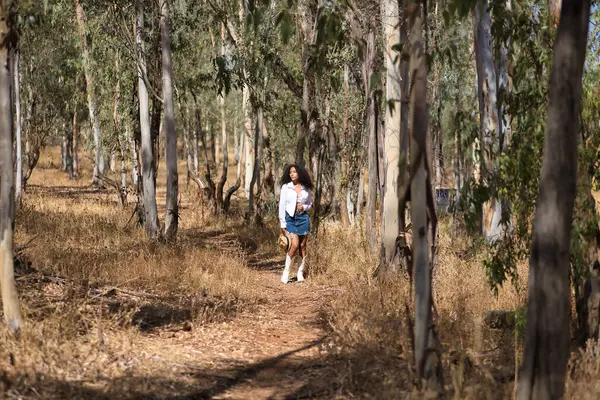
(298, 224)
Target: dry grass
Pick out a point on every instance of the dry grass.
(369, 325)
(110, 315)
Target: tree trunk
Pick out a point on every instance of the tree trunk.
(75, 143)
(221, 99)
(17, 91)
(544, 368)
(488, 111)
(427, 363)
(256, 173)
(171, 209)
(92, 104)
(360, 197)
(209, 182)
(148, 174)
(344, 192)
(306, 33)
(249, 151)
(10, 299)
(268, 186)
(121, 147)
(390, 19)
(134, 159)
(69, 151)
(554, 13)
(371, 123)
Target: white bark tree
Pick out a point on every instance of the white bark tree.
(421, 201)
(172, 212)
(92, 103)
(18, 139)
(488, 114)
(390, 19)
(10, 299)
(149, 189)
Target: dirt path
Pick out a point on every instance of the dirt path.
(271, 353)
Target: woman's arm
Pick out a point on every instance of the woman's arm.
(309, 201)
(282, 194)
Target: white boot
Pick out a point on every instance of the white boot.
(301, 271)
(286, 271)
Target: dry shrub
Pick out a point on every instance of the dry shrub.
(584, 372)
(369, 326)
(340, 256)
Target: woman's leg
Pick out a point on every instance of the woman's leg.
(289, 256)
(303, 241)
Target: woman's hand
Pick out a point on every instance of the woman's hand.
(284, 232)
(299, 207)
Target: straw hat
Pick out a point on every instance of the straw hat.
(284, 242)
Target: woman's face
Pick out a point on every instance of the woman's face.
(294, 175)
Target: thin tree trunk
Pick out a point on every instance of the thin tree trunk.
(488, 111)
(134, 159)
(17, 89)
(256, 174)
(121, 146)
(428, 366)
(69, 151)
(390, 20)
(221, 99)
(268, 181)
(544, 369)
(371, 120)
(209, 182)
(63, 148)
(171, 210)
(75, 144)
(344, 193)
(248, 146)
(360, 197)
(148, 174)
(10, 299)
(304, 131)
(195, 148)
(92, 104)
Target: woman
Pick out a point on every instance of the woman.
(294, 202)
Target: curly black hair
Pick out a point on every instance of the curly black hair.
(303, 176)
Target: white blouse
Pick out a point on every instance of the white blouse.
(288, 199)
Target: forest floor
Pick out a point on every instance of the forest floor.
(110, 315)
(99, 330)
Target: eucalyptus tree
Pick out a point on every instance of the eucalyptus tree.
(91, 92)
(547, 341)
(423, 217)
(395, 147)
(10, 300)
(171, 213)
(148, 166)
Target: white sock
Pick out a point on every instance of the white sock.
(286, 270)
(301, 271)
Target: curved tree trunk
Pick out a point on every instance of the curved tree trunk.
(547, 340)
(10, 299)
(171, 210)
(148, 182)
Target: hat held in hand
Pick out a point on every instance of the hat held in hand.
(284, 242)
